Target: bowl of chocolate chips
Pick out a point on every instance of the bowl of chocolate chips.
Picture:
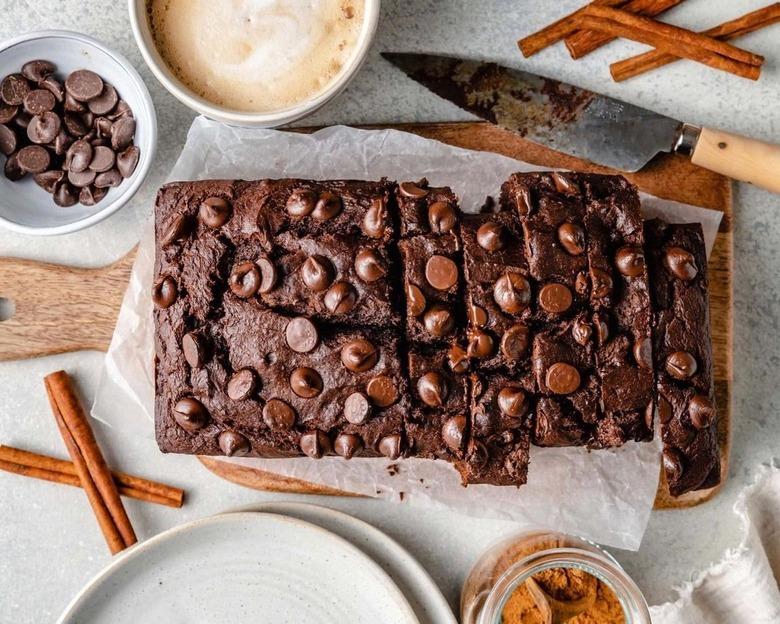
(78, 132)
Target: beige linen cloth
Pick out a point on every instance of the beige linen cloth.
(743, 586)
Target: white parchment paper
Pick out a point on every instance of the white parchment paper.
(605, 495)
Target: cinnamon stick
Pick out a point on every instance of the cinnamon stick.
(557, 31)
(583, 42)
(37, 466)
(678, 44)
(90, 466)
(643, 29)
(654, 59)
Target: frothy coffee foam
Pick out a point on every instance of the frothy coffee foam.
(256, 55)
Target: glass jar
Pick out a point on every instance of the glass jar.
(506, 566)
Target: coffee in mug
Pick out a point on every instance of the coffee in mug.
(256, 55)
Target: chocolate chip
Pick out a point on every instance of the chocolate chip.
(458, 359)
(306, 382)
(65, 195)
(82, 178)
(103, 159)
(301, 202)
(432, 389)
(268, 275)
(701, 411)
(75, 124)
(382, 391)
(441, 272)
(439, 321)
(54, 86)
(515, 342)
(649, 416)
(39, 101)
(13, 89)
(602, 329)
(347, 445)
(122, 133)
(572, 238)
(127, 161)
(442, 217)
(103, 127)
(375, 219)
(643, 353)
(242, 384)
(33, 159)
(681, 263)
(391, 446)
(453, 432)
(244, 280)
(412, 190)
(191, 414)
(480, 344)
(581, 332)
(48, 180)
(673, 464)
(108, 179)
(630, 261)
(122, 109)
(43, 128)
(357, 409)
(7, 112)
(72, 105)
(105, 102)
(562, 378)
(315, 444)
(8, 141)
(555, 298)
(37, 70)
(369, 266)
(665, 411)
(90, 195)
(12, 170)
(563, 184)
(178, 227)
(525, 201)
(512, 402)
(340, 298)
(78, 156)
(278, 415)
(359, 355)
(213, 211)
(317, 273)
(477, 316)
(681, 365)
(512, 292)
(491, 236)
(62, 142)
(601, 282)
(84, 85)
(328, 206)
(415, 300)
(233, 444)
(195, 349)
(301, 335)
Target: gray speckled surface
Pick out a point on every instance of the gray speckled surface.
(50, 546)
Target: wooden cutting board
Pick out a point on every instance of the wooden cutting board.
(60, 308)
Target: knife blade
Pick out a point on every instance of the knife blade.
(585, 124)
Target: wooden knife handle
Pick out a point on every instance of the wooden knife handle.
(738, 157)
(58, 308)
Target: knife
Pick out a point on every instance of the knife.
(584, 124)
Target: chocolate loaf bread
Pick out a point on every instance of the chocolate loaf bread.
(374, 319)
(683, 356)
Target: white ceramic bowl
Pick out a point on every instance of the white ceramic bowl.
(24, 206)
(139, 20)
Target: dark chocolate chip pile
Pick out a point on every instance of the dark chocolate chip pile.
(75, 138)
(375, 319)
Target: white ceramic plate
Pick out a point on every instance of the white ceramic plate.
(24, 206)
(420, 590)
(242, 568)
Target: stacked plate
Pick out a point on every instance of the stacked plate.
(282, 562)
